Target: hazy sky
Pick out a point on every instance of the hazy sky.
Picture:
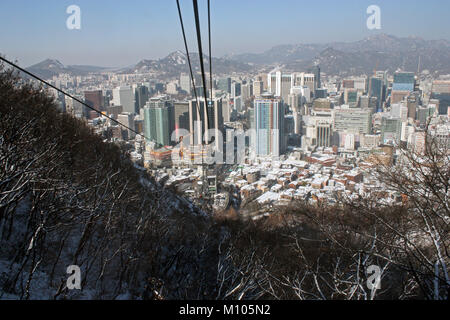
(122, 32)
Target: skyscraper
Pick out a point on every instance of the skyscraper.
(351, 97)
(123, 96)
(377, 89)
(323, 134)
(404, 81)
(198, 127)
(141, 97)
(127, 119)
(224, 84)
(391, 129)
(280, 84)
(159, 121)
(185, 83)
(305, 79)
(226, 110)
(95, 100)
(258, 88)
(245, 92)
(181, 114)
(75, 108)
(441, 91)
(316, 71)
(296, 102)
(268, 123)
(353, 120)
(235, 89)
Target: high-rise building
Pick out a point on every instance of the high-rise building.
(441, 92)
(296, 102)
(280, 84)
(321, 93)
(296, 99)
(353, 120)
(127, 119)
(198, 128)
(226, 110)
(185, 83)
(159, 87)
(377, 88)
(398, 96)
(75, 108)
(364, 102)
(400, 111)
(323, 134)
(391, 130)
(172, 88)
(245, 92)
(268, 123)
(423, 114)
(238, 104)
(235, 89)
(274, 83)
(322, 104)
(350, 142)
(412, 104)
(224, 84)
(159, 121)
(114, 111)
(181, 115)
(356, 83)
(286, 85)
(258, 88)
(124, 96)
(351, 97)
(94, 99)
(141, 96)
(306, 93)
(404, 81)
(305, 79)
(316, 72)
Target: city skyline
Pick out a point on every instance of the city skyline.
(307, 159)
(110, 38)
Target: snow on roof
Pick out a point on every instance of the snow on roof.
(352, 173)
(248, 187)
(268, 197)
(289, 192)
(276, 187)
(319, 180)
(296, 163)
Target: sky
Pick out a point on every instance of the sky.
(118, 33)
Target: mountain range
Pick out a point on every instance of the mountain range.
(381, 51)
(168, 67)
(51, 67)
(177, 62)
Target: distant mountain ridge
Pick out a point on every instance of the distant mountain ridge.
(52, 67)
(170, 66)
(382, 51)
(177, 62)
(388, 51)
